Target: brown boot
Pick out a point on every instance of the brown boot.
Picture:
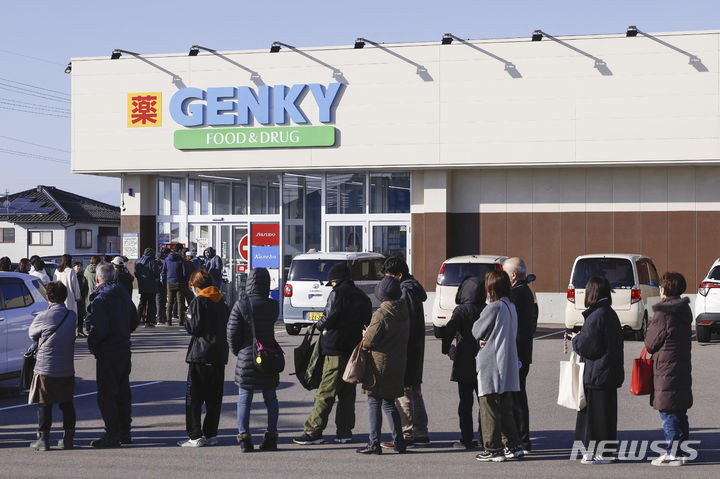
(245, 442)
(269, 442)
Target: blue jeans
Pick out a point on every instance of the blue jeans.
(676, 428)
(388, 406)
(245, 403)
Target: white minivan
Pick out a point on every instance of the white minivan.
(635, 287)
(451, 274)
(22, 297)
(707, 304)
(307, 288)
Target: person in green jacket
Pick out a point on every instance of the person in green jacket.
(90, 276)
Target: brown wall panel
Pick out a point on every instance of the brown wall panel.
(546, 250)
(708, 244)
(599, 233)
(627, 232)
(493, 233)
(572, 244)
(682, 243)
(429, 246)
(418, 247)
(145, 226)
(655, 238)
(519, 235)
(463, 234)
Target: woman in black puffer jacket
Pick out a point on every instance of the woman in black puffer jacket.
(470, 300)
(248, 378)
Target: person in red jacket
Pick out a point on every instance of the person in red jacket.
(668, 339)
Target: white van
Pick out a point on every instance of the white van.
(635, 287)
(22, 297)
(451, 274)
(307, 288)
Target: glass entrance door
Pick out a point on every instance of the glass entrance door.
(346, 237)
(233, 246)
(390, 239)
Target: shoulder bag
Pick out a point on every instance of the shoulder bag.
(30, 358)
(641, 382)
(268, 360)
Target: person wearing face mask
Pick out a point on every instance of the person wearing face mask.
(207, 355)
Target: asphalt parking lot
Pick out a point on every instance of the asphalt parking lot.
(158, 381)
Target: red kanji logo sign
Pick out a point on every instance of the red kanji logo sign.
(144, 109)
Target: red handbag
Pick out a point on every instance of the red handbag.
(641, 382)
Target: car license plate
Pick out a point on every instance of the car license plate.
(315, 315)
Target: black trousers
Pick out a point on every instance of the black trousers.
(468, 393)
(204, 386)
(175, 296)
(520, 409)
(160, 303)
(147, 303)
(598, 421)
(45, 416)
(81, 311)
(114, 398)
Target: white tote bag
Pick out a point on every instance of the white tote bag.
(571, 392)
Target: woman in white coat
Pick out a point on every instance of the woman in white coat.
(67, 276)
(498, 372)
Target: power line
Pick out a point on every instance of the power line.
(32, 58)
(33, 144)
(34, 111)
(38, 106)
(34, 86)
(25, 91)
(35, 156)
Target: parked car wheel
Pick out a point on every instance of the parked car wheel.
(293, 329)
(640, 333)
(703, 334)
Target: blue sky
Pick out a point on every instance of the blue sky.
(39, 37)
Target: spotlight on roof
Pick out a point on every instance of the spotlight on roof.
(68, 68)
(115, 54)
(275, 47)
(447, 39)
(360, 42)
(537, 35)
(632, 31)
(194, 50)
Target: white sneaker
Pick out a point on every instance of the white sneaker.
(590, 459)
(199, 442)
(667, 460)
(211, 441)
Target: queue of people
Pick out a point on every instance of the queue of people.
(488, 339)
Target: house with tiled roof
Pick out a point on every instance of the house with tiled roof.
(47, 221)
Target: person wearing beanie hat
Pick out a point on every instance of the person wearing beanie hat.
(147, 272)
(386, 338)
(347, 312)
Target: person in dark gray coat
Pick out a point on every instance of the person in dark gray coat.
(254, 305)
(54, 382)
(214, 266)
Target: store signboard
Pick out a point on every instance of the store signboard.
(266, 234)
(130, 246)
(265, 256)
(267, 137)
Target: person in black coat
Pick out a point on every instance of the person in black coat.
(122, 275)
(207, 355)
(84, 292)
(522, 297)
(112, 319)
(161, 295)
(347, 312)
(411, 405)
(254, 305)
(470, 300)
(147, 272)
(600, 344)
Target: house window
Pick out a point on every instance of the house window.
(83, 239)
(7, 235)
(41, 238)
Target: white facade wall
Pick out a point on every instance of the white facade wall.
(426, 105)
(63, 241)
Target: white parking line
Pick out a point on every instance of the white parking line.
(551, 334)
(83, 395)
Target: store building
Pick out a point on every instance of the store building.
(545, 149)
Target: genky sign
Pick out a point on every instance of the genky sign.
(229, 106)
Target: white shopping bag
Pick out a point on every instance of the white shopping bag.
(571, 392)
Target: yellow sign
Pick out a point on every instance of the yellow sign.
(144, 109)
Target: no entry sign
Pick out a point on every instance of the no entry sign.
(243, 247)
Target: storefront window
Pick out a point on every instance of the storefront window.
(162, 209)
(345, 238)
(264, 194)
(175, 197)
(240, 197)
(221, 203)
(345, 194)
(390, 240)
(205, 198)
(191, 197)
(389, 192)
